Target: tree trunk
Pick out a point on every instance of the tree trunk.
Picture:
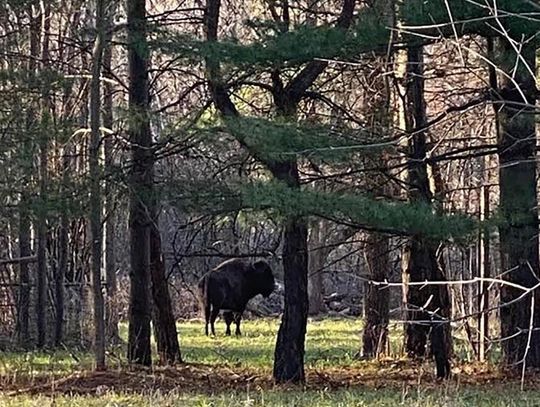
(42, 213)
(95, 188)
(111, 305)
(484, 271)
(163, 316)
(377, 248)
(377, 298)
(315, 285)
(25, 249)
(141, 187)
(25, 236)
(61, 271)
(518, 203)
(423, 266)
(290, 345)
(41, 302)
(23, 304)
(316, 261)
(427, 306)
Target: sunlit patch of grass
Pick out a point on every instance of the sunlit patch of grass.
(254, 348)
(37, 362)
(337, 342)
(330, 342)
(332, 349)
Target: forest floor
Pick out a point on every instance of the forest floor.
(231, 371)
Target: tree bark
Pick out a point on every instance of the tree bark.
(316, 263)
(61, 270)
(324, 242)
(23, 303)
(140, 187)
(315, 285)
(163, 317)
(377, 298)
(290, 345)
(41, 226)
(164, 321)
(25, 249)
(484, 271)
(42, 213)
(111, 305)
(96, 204)
(518, 202)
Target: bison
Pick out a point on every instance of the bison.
(229, 287)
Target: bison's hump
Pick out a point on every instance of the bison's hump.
(232, 264)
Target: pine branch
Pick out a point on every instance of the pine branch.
(301, 82)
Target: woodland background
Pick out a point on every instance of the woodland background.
(380, 155)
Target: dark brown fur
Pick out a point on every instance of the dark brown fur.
(229, 287)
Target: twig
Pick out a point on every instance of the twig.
(529, 336)
(27, 259)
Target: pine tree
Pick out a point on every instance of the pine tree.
(141, 187)
(515, 101)
(95, 188)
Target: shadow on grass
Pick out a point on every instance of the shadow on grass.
(224, 365)
(213, 379)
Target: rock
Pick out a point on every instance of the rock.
(271, 306)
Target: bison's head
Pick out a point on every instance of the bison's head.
(264, 278)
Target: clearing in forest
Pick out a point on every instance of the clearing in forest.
(236, 371)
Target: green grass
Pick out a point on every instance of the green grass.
(332, 345)
(43, 362)
(321, 398)
(329, 343)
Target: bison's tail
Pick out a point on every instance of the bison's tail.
(203, 285)
(203, 292)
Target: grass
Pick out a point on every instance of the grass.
(329, 343)
(320, 398)
(336, 377)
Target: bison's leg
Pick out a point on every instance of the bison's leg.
(213, 316)
(237, 319)
(439, 351)
(206, 317)
(228, 318)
